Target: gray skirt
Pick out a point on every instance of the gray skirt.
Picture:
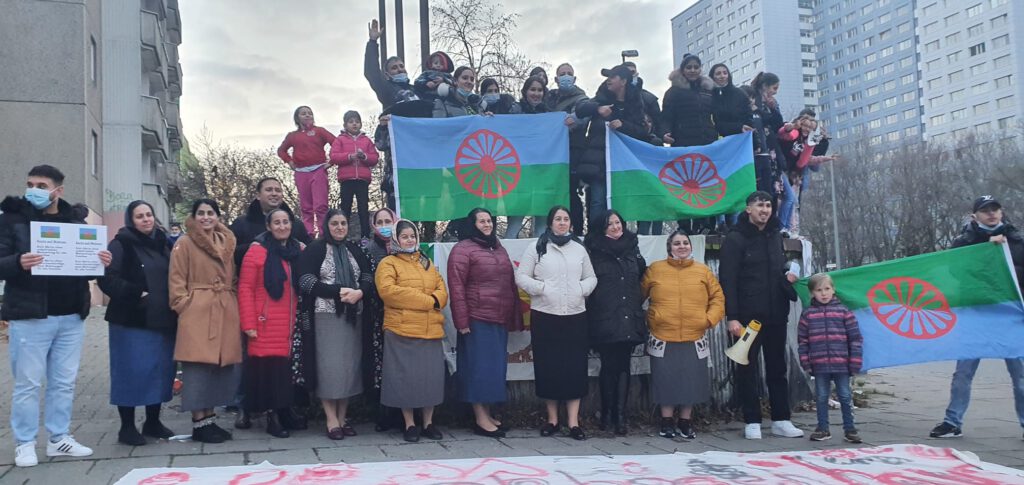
(206, 386)
(413, 374)
(339, 354)
(679, 378)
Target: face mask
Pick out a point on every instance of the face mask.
(565, 81)
(491, 98)
(39, 198)
(385, 231)
(464, 93)
(990, 228)
(400, 78)
(408, 250)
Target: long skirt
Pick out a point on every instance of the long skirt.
(559, 355)
(207, 386)
(339, 355)
(413, 374)
(680, 378)
(482, 360)
(141, 366)
(268, 383)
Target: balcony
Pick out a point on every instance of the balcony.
(173, 126)
(173, 22)
(154, 55)
(154, 124)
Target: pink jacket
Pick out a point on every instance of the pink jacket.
(806, 156)
(355, 169)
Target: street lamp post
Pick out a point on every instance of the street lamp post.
(835, 213)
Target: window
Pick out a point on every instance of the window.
(956, 76)
(873, 90)
(996, 3)
(868, 59)
(912, 131)
(998, 21)
(1004, 82)
(954, 57)
(854, 97)
(889, 85)
(908, 96)
(906, 62)
(870, 24)
(905, 44)
(807, 63)
(910, 113)
(974, 30)
(808, 78)
(854, 80)
(937, 120)
(872, 107)
(977, 49)
(875, 140)
(928, 29)
(806, 48)
(1004, 102)
(953, 38)
(907, 79)
(1001, 62)
(935, 102)
(931, 46)
(869, 75)
(958, 114)
(809, 93)
(868, 42)
(893, 118)
(979, 89)
(928, 9)
(1001, 41)
(93, 61)
(904, 27)
(885, 34)
(980, 109)
(934, 83)
(1005, 123)
(889, 102)
(94, 154)
(892, 136)
(888, 68)
(977, 69)
(973, 10)
(933, 64)
(876, 123)
(888, 51)
(957, 95)
(951, 20)
(885, 17)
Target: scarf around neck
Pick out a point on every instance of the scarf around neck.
(274, 274)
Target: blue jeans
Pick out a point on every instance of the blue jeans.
(49, 348)
(823, 382)
(960, 390)
(515, 224)
(597, 203)
(787, 204)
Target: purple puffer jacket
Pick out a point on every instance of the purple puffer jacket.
(829, 339)
(482, 286)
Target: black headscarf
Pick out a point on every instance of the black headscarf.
(548, 236)
(156, 239)
(470, 231)
(274, 275)
(344, 274)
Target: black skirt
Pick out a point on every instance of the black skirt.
(560, 349)
(268, 383)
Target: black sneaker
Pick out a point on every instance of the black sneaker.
(411, 434)
(431, 432)
(852, 436)
(668, 428)
(686, 429)
(946, 430)
(130, 436)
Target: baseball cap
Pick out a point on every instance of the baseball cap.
(621, 71)
(986, 201)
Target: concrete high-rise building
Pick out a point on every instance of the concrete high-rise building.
(91, 87)
(970, 67)
(868, 71)
(751, 36)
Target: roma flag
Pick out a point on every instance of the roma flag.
(514, 165)
(961, 303)
(653, 183)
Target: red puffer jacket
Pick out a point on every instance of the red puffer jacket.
(272, 320)
(482, 286)
(356, 169)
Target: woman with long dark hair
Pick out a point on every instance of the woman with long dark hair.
(142, 325)
(773, 165)
(558, 276)
(532, 102)
(494, 101)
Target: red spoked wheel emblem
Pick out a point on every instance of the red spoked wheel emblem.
(487, 165)
(912, 308)
(693, 179)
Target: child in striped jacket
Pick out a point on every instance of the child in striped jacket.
(830, 350)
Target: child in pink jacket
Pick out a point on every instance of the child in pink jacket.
(355, 155)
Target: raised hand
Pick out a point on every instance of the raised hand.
(375, 30)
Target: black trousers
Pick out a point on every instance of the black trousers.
(771, 338)
(360, 189)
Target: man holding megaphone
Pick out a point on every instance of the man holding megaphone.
(757, 286)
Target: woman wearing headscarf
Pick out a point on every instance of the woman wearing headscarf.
(686, 301)
(557, 274)
(202, 293)
(377, 247)
(267, 300)
(413, 294)
(142, 325)
(334, 279)
(614, 312)
(485, 307)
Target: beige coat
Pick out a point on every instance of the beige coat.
(202, 292)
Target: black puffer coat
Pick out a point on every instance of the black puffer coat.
(752, 270)
(686, 111)
(614, 308)
(591, 168)
(140, 264)
(254, 223)
(26, 297)
(730, 109)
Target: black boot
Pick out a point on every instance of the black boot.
(292, 420)
(128, 435)
(621, 402)
(153, 427)
(274, 426)
(607, 389)
(244, 420)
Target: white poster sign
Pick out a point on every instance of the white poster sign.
(68, 249)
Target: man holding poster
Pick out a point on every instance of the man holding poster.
(46, 315)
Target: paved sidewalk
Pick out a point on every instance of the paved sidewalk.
(908, 403)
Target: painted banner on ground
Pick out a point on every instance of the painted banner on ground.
(514, 165)
(956, 304)
(654, 183)
(883, 464)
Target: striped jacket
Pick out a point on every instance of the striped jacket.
(829, 339)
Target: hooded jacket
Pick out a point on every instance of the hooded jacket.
(27, 297)
(974, 234)
(355, 169)
(687, 111)
(614, 308)
(254, 223)
(730, 109)
(829, 340)
(139, 264)
(752, 272)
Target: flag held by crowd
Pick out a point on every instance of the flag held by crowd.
(648, 182)
(514, 165)
(957, 304)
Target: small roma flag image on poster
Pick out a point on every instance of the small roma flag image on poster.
(87, 234)
(50, 232)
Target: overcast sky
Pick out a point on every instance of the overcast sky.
(247, 64)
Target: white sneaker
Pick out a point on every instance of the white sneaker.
(25, 455)
(67, 446)
(786, 429)
(752, 431)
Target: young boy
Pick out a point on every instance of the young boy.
(830, 350)
(438, 71)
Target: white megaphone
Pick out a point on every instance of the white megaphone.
(739, 350)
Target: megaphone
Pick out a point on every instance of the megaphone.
(739, 350)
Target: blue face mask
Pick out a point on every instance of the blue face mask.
(385, 231)
(565, 81)
(464, 93)
(39, 198)
(492, 98)
(400, 78)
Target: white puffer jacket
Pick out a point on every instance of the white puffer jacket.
(560, 282)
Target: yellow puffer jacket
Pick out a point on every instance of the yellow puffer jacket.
(407, 290)
(686, 300)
